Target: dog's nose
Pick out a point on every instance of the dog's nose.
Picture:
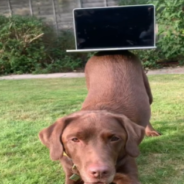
(98, 171)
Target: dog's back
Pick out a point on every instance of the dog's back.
(115, 82)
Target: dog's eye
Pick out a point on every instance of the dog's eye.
(75, 139)
(114, 138)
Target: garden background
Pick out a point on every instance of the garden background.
(35, 34)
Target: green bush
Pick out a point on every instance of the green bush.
(60, 59)
(27, 45)
(20, 44)
(170, 38)
(170, 17)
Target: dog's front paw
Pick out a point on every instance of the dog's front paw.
(121, 179)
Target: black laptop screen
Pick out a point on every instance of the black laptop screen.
(114, 27)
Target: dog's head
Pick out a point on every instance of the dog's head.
(95, 141)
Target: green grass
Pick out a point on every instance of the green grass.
(26, 106)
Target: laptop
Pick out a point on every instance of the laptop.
(114, 28)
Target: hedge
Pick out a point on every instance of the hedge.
(27, 45)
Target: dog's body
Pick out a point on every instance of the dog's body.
(117, 84)
(102, 139)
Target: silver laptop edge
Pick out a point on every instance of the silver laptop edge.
(111, 49)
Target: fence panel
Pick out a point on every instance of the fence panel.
(20, 7)
(57, 13)
(4, 8)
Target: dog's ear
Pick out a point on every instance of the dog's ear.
(51, 137)
(135, 134)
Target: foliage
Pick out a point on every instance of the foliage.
(171, 20)
(27, 45)
(60, 60)
(20, 44)
(170, 38)
(27, 106)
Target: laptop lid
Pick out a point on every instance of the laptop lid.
(114, 28)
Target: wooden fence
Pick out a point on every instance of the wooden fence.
(57, 13)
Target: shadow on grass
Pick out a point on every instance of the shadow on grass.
(161, 159)
(172, 136)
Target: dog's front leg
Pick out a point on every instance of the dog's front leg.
(67, 165)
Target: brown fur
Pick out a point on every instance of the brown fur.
(116, 83)
(102, 139)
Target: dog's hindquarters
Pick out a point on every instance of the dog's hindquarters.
(116, 83)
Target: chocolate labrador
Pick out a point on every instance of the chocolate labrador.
(99, 143)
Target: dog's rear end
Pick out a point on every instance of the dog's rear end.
(116, 83)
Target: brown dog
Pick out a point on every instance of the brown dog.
(101, 141)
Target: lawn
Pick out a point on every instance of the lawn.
(26, 106)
